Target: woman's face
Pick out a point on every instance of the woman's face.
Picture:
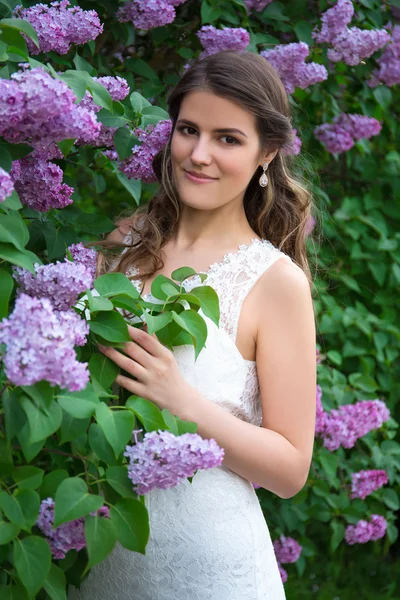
(218, 138)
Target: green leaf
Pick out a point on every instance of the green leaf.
(182, 273)
(138, 102)
(28, 477)
(55, 584)
(51, 481)
(97, 303)
(32, 560)
(209, 13)
(133, 186)
(337, 535)
(42, 393)
(148, 413)
(8, 531)
(12, 202)
(117, 426)
(157, 287)
(391, 499)
(23, 259)
(100, 446)
(110, 326)
(153, 114)
(5, 157)
(329, 462)
(157, 322)
(14, 231)
(80, 405)
(66, 146)
(22, 508)
(83, 65)
(103, 369)
(113, 284)
(76, 81)
(15, 417)
(72, 428)
(41, 425)
(100, 538)
(303, 30)
(274, 12)
(73, 501)
(108, 118)
(363, 382)
(21, 25)
(141, 67)
(170, 421)
(131, 522)
(193, 323)
(118, 478)
(100, 94)
(124, 141)
(383, 96)
(93, 223)
(209, 302)
(13, 592)
(6, 287)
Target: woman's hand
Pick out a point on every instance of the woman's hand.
(154, 366)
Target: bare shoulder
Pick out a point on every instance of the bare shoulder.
(284, 281)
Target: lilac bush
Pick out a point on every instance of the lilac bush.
(215, 40)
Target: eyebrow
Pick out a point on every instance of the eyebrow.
(223, 130)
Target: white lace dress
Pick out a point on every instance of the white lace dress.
(208, 539)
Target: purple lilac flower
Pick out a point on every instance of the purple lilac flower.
(84, 256)
(283, 573)
(118, 89)
(335, 138)
(365, 531)
(350, 422)
(149, 13)
(365, 482)
(319, 359)
(321, 418)
(256, 486)
(61, 282)
(58, 26)
(334, 22)
(139, 164)
(35, 108)
(388, 63)
(39, 184)
(6, 185)
(65, 537)
(349, 45)
(379, 525)
(40, 345)
(162, 460)
(294, 146)
(215, 40)
(358, 126)
(289, 62)
(256, 5)
(287, 550)
(310, 225)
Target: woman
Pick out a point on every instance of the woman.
(252, 388)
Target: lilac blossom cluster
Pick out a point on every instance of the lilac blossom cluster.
(39, 183)
(58, 26)
(344, 426)
(365, 531)
(215, 40)
(118, 89)
(256, 5)
(364, 483)
(162, 460)
(287, 550)
(6, 185)
(289, 62)
(345, 130)
(146, 14)
(139, 164)
(35, 108)
(61, 282)
(40, 345)
(349, 45)
(65, 537)
(84, 256)
(309, 226)
(294, 146)
(388, 63)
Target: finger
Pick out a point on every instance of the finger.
(132, 386)
(124, 362)
(148, 342)
(138, 354)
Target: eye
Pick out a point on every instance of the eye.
(182, 127)
(229, 137)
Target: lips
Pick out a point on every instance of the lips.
(199, 175)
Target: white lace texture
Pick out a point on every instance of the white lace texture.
(208, 539)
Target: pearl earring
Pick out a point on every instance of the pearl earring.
(263, 181)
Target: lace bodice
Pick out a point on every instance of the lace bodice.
(220, 372)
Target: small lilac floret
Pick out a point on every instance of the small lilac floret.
(283, 573)
(6, 185)
(287, 550)
(84, 256)
(40, 345)
(388, 71)
(215, 40)
(365, 531)
(294, 147)
(162, 460)
(65, 537)
(58, 26)
(366, 482)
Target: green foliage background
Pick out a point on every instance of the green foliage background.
(354, 250)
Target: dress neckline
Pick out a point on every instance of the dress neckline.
(216, 265)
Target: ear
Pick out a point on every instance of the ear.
(267, 158)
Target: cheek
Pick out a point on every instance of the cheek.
(179, 148)
(238, 165)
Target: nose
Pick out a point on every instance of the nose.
(201, 152)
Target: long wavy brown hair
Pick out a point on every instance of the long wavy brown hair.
(279, 213)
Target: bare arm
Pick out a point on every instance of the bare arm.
(276, 456)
